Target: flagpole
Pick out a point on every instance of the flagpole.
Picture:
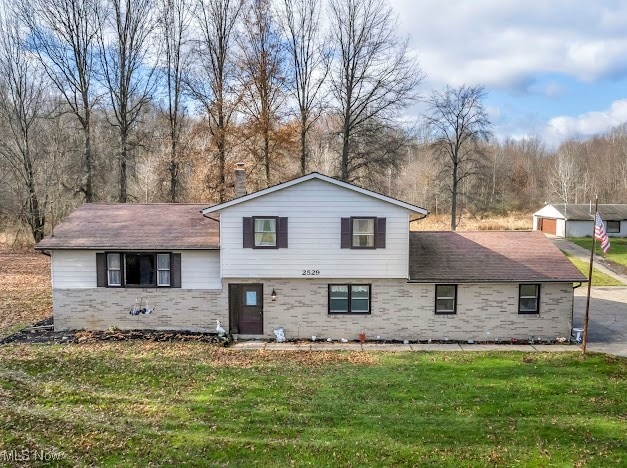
(587, 316)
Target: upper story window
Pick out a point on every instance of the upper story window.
(363, 232)
(265, 232)
(613, 227)
(529, 299)
(138, 269)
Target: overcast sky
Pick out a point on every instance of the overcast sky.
(552, 68)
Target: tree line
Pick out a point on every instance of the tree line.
(157, 100)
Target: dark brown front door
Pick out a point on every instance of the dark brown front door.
(246, 302)
(548, 225)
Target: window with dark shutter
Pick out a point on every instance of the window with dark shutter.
(265, 232)
(138, 269)
(363, 233)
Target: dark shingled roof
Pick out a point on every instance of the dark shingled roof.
(161, 226)
(582, 212)
(487, 256)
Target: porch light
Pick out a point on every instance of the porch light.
(273, 295)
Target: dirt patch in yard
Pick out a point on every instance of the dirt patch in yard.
(25, 295)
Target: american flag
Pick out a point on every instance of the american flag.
(601, 234)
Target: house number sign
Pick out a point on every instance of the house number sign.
(311, 273)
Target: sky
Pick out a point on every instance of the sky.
(553, 69)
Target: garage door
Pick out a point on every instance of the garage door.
(548, 225)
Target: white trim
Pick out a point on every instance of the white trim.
(314, 175)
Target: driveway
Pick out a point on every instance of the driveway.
(607, 329)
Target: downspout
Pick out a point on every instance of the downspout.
(572, 313)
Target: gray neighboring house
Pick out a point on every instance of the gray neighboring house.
(314, 255)
(577, 220)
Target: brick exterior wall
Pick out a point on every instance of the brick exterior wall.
(399, 310)
(174, 309)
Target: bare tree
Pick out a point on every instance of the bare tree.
(309, 56)
(458, 125)
(262, 76)
(174, 23)
(63, 33)
(127, 74)
(373, 77)
(212, 82)
(22, 102)
(565, 173)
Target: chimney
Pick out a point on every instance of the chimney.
(240, 180)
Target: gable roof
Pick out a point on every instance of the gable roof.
(124, 226)
(318, 176)
(584, 212)
(487, 256)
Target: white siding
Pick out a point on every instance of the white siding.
(200, 269)
(73, 269)
(549, 211)
(584, 229)
(314, 210)
(560, 228)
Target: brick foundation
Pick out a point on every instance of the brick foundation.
(399, 310)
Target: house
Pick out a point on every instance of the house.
(577, 220)
(313, 255)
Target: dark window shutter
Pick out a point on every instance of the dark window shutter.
(346, 233)
(101, 270)
(380, 234)
(248, 233)
(282, 237)
(175, 270)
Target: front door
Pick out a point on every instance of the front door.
(247, 308)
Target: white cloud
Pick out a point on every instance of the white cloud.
(586, 124)
(506, 43)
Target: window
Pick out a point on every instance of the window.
(265, 233)
(363, 233)
(349, 298)
(139, 269)
(163, 269)
(114, 272)
(529, 299)
(446, 298)
(613, 227)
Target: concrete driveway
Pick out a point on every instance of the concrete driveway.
(607, 330)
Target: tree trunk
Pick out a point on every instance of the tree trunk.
(88, 158)
(454, 198)
(123, 158)
(266, 154)
(303, 144)
(174, 169)
(221, 143)
(345, 151)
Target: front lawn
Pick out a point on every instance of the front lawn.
(129, 404)
(618, 248)
(598, 277)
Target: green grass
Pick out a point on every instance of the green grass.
(618, 248)
(598, 278)
(129, 404)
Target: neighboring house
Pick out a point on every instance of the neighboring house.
(315, 256)
(571, 220)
